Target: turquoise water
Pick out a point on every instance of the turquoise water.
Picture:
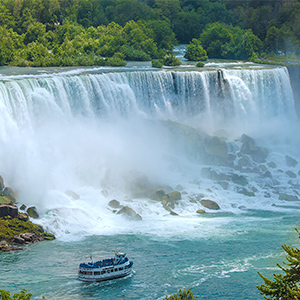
(217, 267)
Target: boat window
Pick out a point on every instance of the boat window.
(96, 273)
(103, 272)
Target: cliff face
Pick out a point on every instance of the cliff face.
(294, 72)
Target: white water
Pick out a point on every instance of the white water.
(92, 134)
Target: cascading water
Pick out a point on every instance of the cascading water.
(72, 141)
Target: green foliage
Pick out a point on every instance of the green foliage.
(170, 60)
(284, 286)
(23, 295)
(181, 295)
(144, 30)
(200, 64)
(195, 52)
(157, 63)
(10, 227)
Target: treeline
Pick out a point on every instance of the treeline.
(108, 32)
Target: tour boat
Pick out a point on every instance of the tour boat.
(106, 269)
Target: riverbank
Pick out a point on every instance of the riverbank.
(16, 229)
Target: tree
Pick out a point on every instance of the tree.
(194, 51)
(181, 295)
(284, 286)
(213, 37)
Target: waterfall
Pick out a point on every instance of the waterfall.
(241, 94)
(109, 135)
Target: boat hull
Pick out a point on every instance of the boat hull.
(105, 273)
(98, 278)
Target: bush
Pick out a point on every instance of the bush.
(171, 60)
(181, 295)
(23, 295)
(194, 51)
(157, 64)
(200, 64)
(115, 62)
(133, 54)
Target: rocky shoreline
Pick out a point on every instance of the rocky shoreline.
(16, 229)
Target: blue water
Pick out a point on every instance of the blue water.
(217, 267)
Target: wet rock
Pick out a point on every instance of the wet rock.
(291, 162)
(210, 204)
(158, 195)
(174, 196)
(8, 192)
(8, 210)
(114, 204)
(291, 174)
(72, 194)
(267, 174)
(23, 207)
(272, 165)
(258, 154)
(200, 211)
(246, 192)
(216, 150)
(19, 240)
(239, 179)
(179, 187)
(8, 248)
(129, 213)
(32, 212)
(286, 197)
(168, 208)
(223, 184)
(23, 217)
(245, 161)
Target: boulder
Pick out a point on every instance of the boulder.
(246, 192)
(200, 211)
(174, 196)
(291, 162)
(8, 192)
(272, 165)
(23, 207)
(245, 161)
(216, 147)
(32, 212)
(258, 154)
(291, 174)
(166, 207)
(158, 195)
(210, 204)
(129, 213)
(286, 197)
(8, 210)
(114, 204)
(23, 217)
(239, 179)
(19, 240)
